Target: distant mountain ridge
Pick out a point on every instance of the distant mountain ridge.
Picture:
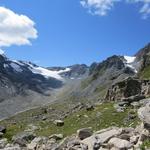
(110, 71)
(24, 85)
(76, 71)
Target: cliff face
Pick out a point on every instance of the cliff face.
(128, 88)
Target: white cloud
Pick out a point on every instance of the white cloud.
(98, 7)
(15, 29)
(101, 7)
(145, 9)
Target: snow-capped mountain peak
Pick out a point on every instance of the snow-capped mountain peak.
(48, 73)
(16, 65)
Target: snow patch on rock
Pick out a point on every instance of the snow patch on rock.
(129, 62)
(129, 59)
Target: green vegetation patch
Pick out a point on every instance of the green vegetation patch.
(103, 116)
(145, 74)
(145, 145)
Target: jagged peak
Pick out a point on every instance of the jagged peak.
(142, 52)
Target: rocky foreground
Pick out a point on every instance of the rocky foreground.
(113, 138)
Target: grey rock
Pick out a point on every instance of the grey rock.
(3, 143)
(2, 129)
(31, 128)
(59, 123)
(44, 118)
(34, 143)
(123, 104)
(119, 108)
(23, 138)
(120, 143)
(134, 139)
(13, 147)
(1, 134)
(135, 105)
(101, 137)
(144, 135)
(84, 133)
(144, 115)
(89, 107)
(76, 145)
(124, 137)
(134, 98)
(56, 136)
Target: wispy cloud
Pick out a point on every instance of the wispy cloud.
(98, 7)
(15, 29)
(102, 7)
(145, 9)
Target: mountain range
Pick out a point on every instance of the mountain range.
(24, 85)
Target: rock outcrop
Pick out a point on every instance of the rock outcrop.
(131, 89)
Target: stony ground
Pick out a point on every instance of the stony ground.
(79, 126)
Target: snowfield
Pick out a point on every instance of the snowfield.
(129, 59)
(48, 73)
(39, 70)
(130, 62)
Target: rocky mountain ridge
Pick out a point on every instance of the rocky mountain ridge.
(24, 84)
(109, 109)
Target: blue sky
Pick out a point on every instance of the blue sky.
(68, 34)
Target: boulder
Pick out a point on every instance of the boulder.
(119, 108)
(124, 89)
(3, 143)
(13, 147)
(44, 118)
(76, 145)
(120, 143)
(32, 146)
(123, 104)
(124, 136)
(34, 143)
(1, 134)
(2, 129)
(59, 123)
(84, 133)
(144, 135)
(134, 139)
(144, 115)
(31, 128)
(89, 107)
(23, 138)
(135, 105)
(134, 98)
(131, 115)
(103, 136)
(56, 136)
